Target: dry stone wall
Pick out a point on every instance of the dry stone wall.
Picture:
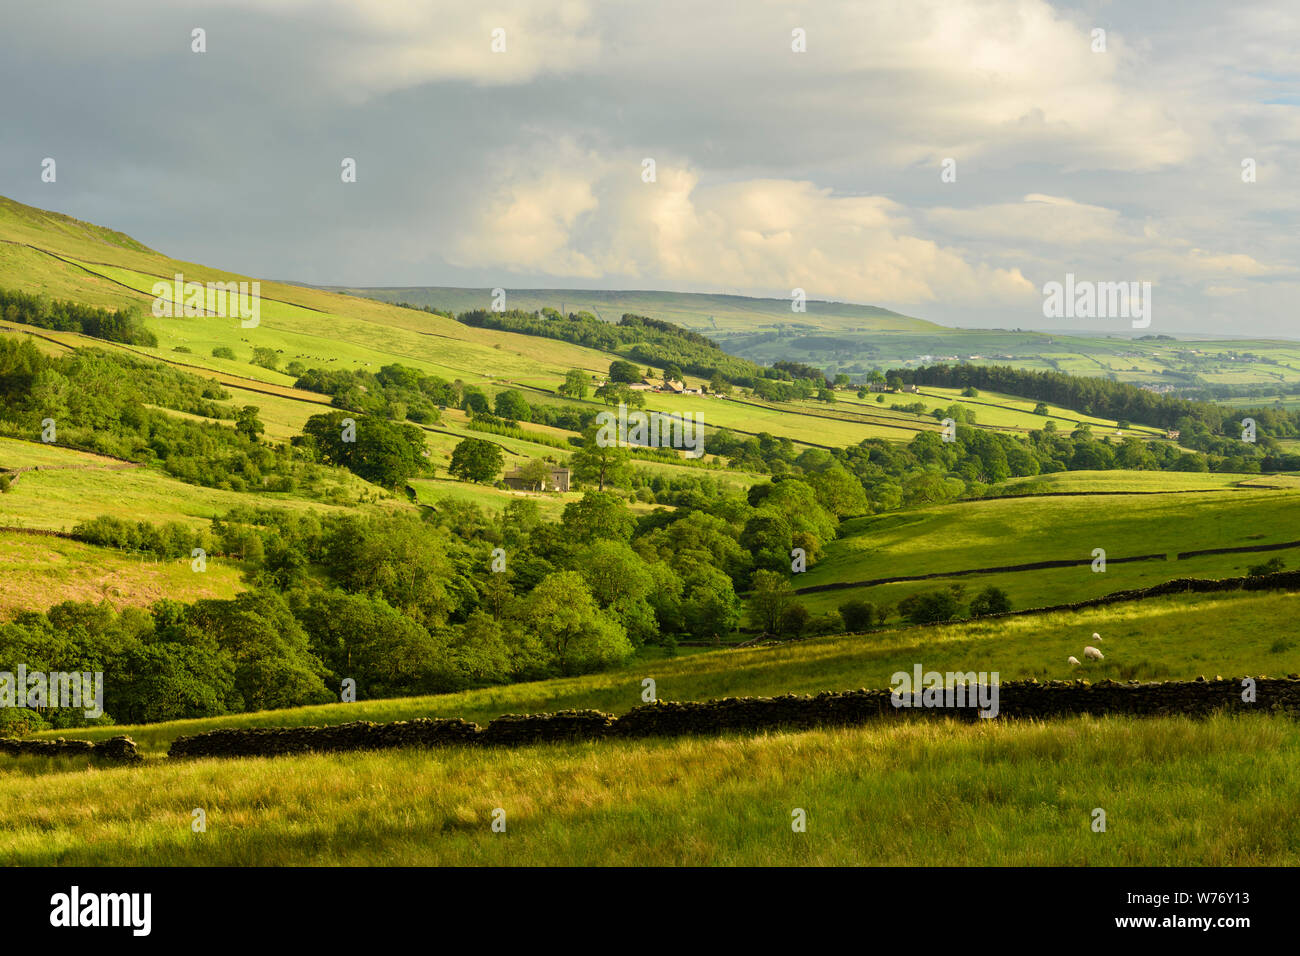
(120, 749)
(1029, 699)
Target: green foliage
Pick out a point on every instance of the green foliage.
(600, 461)
(930, 607)
(991, 600)
(512, 405)
(386, 453)
(621, 371)
(395, 392)
(124, 325)
(476, 460)
(858, 615)
(101, 402)
(771, 598)
(567, 621)
(574, 385)
(1271, 566)
(641, 339)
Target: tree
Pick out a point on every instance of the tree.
(387, 453)
(603, 463)
(169, 681)
(772, 595)
(615, 393)
(247, 423)
(575, 384)
(839, 492)
(858, 615)
(511, 404)
(265, 357)
(476, 460)
(930, 607)
(621, 371)
(273, 663)
(711, 608)
(579, 636)
(475, 402)
(719, 385)
(991, 600)
(535, 473)
(598, 515)
(794, 619)
(768, 538)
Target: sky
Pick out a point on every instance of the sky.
(943, 158)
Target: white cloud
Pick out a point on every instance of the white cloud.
(594, 218)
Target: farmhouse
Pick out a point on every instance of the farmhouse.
(557, 481)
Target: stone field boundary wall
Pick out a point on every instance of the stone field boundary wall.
(120, 749)
(1016, 699)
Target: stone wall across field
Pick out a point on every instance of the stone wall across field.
(122, 749)
(358, 735)
(1016, 700)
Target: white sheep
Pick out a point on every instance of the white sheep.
(1096, 636)
(1092, 654)
(1074, 661)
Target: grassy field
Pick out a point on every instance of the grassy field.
(1012, 531)
(40, 571)
(1139, 481)
(1164, 638)
(1175, 791)
(56, 498)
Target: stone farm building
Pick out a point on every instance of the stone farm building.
(558, 480)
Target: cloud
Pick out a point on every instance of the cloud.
(594, 218)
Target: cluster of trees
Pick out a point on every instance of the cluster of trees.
(123, 325)
(101, 402)
(407, 605)
(774, 608)
(643, 340)
(170, 540)
(396, 392)
(928, 470)
(946, 604)
(384, 452)
(1198, 422)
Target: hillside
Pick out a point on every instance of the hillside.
(702, 312)
(154, 461)
(854, 339)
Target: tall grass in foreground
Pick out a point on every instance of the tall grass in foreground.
(1221, 791)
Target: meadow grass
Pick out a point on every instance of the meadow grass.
(1047, 587)
(992, 533)
(1176, 791)
(58, 498)
(40, 571)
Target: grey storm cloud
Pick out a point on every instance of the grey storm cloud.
(774, 168)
